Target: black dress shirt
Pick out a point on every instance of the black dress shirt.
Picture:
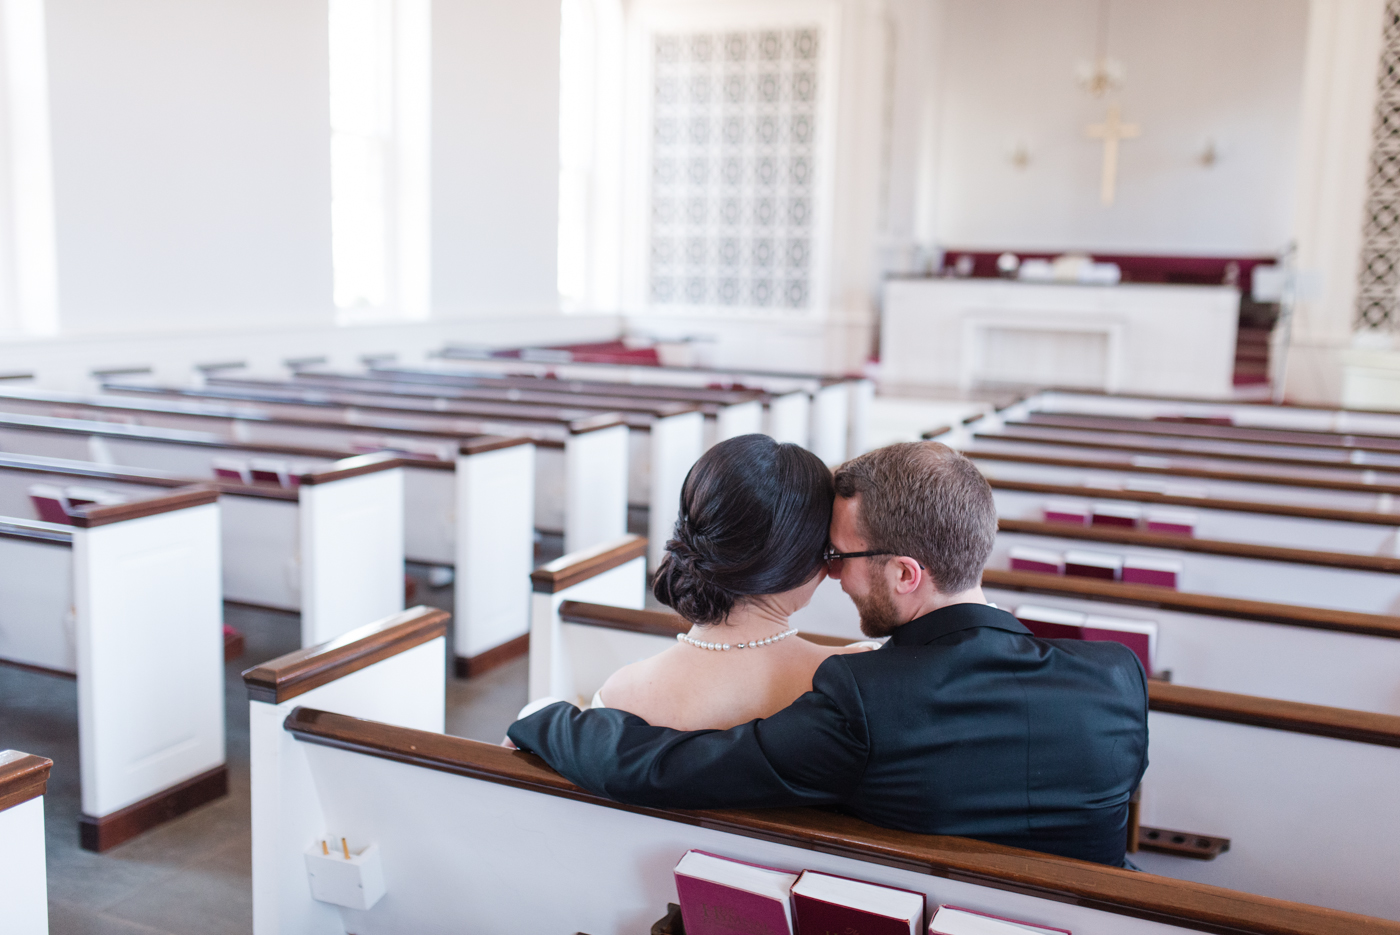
(963, 724)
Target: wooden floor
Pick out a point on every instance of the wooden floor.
(191, 875)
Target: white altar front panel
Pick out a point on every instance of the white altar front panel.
(1132, 337)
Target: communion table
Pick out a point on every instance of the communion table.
(1175, 340)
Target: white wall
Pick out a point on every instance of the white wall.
(191, 154)
(495, 156)
(1228, 70)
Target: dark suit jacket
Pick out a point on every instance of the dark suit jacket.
(963, 723)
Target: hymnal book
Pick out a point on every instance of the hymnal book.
(1138, 635)
(1023, 558)
(950, 920)
(1116, 514)
(719, 896)
(1164, 573)
(1085, 564)
(1173, 522)
(1064, 511)
(824, 903)
(1051, 623)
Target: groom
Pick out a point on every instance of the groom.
(963, 723)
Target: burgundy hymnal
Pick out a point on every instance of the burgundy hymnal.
(824, 903)
(720, 896)
(951, 920)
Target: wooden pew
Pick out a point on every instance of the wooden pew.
(127, 589)
(328, 545)
(786, 414)
(390, 671)
(588, 642)
(1283, 438)
(1353, 531)
(469, 830)
(728, 413)
(1323, 463)
(1237, 413)
(839, 409)
(664, 439)
(1338, 580)
(1286, 651)
(474, 513)
(1164, 475)
(24, 893)
(589, 455)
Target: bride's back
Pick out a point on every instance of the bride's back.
(745, 555)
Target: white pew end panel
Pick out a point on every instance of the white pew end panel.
(146, 585)
(24, 895)
(392, 671)
(351, 532)
(495, 553)
(471, 831)
(613, 573)
(595, 482)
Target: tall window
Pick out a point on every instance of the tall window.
(28, 274)
(379, 81)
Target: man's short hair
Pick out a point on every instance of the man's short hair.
(926, 501)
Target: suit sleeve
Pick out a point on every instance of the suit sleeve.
(811, 753)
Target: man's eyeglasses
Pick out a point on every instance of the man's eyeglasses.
(834, 559)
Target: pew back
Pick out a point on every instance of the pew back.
(24, 902)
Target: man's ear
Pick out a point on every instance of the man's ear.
(907, 574)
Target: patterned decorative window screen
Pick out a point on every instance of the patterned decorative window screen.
(733, 169)
(1377, 298)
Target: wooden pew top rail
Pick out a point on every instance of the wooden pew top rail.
(248, 412)
(440, 397)
(1200, 503)
(409, 407)
(180, 498)
(298, 672)
(1308, 438)
(12, 527)
(570, 569)
(1193, 905)
(1143, 466)
(484, 443)
(1321, 720)
(1029, 435)
(354, 467)
(1162, 540)
(430, 378)
(23, 776)
(652, 622)
(1146, 595)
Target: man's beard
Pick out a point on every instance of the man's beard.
(878, 615)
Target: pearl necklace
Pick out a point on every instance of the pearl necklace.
(751, 644)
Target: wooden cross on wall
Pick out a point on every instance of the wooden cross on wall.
(1111, 131)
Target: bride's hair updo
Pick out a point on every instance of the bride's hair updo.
(753, 520)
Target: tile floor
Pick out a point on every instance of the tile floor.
(191, 875)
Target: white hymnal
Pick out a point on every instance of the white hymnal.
(950, 920)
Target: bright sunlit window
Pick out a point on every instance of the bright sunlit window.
(379, 79)
(28, 273)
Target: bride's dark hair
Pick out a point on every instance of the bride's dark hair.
(753, 520)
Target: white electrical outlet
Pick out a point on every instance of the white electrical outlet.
(355, 882)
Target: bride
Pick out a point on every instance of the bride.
(746, 554)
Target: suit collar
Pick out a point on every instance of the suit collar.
(951, 619)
